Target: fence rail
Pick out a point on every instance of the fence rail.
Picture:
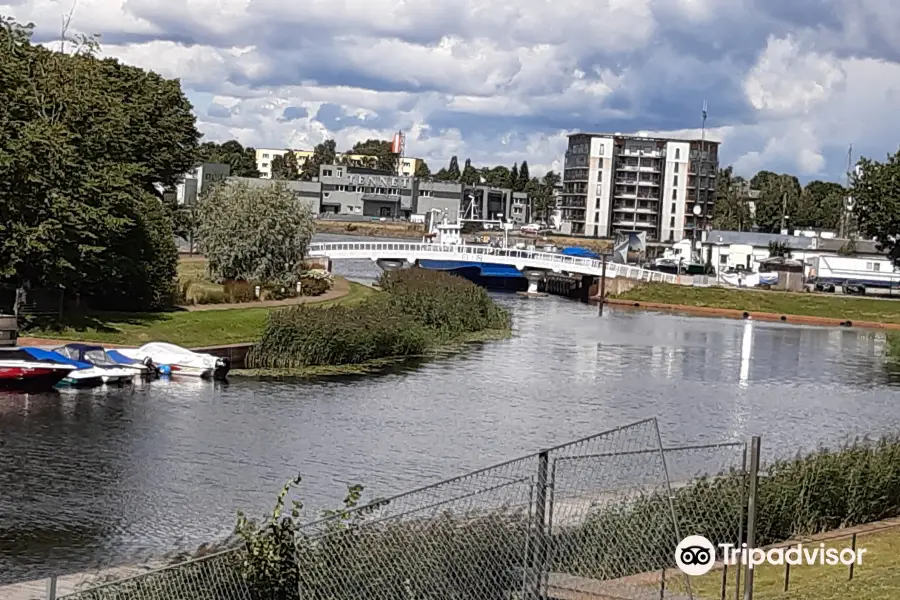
(597, 517)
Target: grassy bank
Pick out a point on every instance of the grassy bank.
(419, 311)
(408, 231)
(188, 329)
(785, 303)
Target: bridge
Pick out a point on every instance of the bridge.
(533, 265)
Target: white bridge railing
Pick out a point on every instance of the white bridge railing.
(521, 259)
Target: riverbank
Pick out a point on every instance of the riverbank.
(791, 307)
(212, 326)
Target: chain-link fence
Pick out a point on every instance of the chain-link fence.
(599, 517)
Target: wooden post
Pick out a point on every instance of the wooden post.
(602, 282)
(724, 581)
(787, 576)
(852, 545)
(662, 585)
(51, 588)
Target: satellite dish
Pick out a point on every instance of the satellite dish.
(696, 210)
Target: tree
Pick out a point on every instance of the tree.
(255, 233)
(285, 167)
(820, 205)
(383, 157)
(875, 189)
(540, 194)
(241, 161)
(87, 147)
(323, 154)
(469, 174)
(453, 170)
(496, 177)
(732, 212)
(422, 169)
(779, 196)
(513, 178)
(524, 177)
(780, 249)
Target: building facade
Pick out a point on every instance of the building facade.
(615, 183)
(264, 156)
(195, 183)
(308, 192)
(485, 203)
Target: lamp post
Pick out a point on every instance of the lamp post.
(696, 212)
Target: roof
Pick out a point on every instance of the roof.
(649, 138)
(762, 240)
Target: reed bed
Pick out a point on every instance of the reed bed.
(418, 310)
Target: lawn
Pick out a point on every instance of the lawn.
(185, 328)
(783, 303)
(878, 578)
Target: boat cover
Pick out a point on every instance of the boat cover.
(49, 355)
(579, 252)
(121, 358)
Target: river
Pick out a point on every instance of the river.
(97, 478)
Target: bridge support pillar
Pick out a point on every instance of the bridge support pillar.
(534, 276)
(390, 264)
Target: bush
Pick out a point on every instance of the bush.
(238, 290)
(418, 309)
(313, 287)
(210, 297)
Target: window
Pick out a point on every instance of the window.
(868, 266)
(266, 155)
(596, 231)
(599, 189)
(602, 148)
(723, 258)
(674, 195)
(877, 266)
(676, 167)
(675, 181)
(265, 165)
(672, 222)
(599, 176)
(674, 208)
(596, 217)
(326, 173)
(677, 153)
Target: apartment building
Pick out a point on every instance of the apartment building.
(614, 183)
(265, 156)
(496, 204)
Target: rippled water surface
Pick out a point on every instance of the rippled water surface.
(101, 477)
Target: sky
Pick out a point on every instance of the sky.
(789, 84)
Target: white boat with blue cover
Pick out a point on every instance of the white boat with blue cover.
(96, 369)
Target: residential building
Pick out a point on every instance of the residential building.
(348, 190)
(264, 157)
(614, 183)
(197, 181)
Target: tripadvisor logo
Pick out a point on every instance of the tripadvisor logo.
(695, 555)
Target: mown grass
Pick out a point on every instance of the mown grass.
(190, 329)
(783, 303)
(878, 578)
(418, 311)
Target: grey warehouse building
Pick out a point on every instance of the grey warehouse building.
(347, 190)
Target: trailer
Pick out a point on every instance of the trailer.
(853, 274)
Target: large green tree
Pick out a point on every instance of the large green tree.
(285, 167)
(820, 205)
(323, 154)
(85, 145)
(241, 160)
(380, 151)
(731, 209)
(779, 196)
(875, 189)
(254, 232)
(422, 169)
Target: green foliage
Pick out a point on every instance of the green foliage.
(83, 144)
(876, 191)
(820, 205)
(453, 172)
(254, 232)
(422, 169)
(420, 308)
(732, 212)
(382, 158)
(242, 161)
(778, 195)
(781, 249)
(284, 167)
(323, 154)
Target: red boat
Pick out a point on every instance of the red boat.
(32, 369)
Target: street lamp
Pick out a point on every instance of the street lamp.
(696, 212)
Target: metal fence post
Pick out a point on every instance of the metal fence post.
(539, 545)
(743, 505)
(751, 513)
(51, 588)
(602, 282)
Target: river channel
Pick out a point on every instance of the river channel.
(99, 478)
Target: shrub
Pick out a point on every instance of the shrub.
(210, 297)
(418, 309)
(313, 287)
(238, 290)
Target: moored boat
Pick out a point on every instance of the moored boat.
(105, 366)
(180, 361)
(32, 369)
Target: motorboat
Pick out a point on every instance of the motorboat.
(101, 365)
(109, 359)
(32, 369)
(180, 361)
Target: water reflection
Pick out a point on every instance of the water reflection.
(104, 475)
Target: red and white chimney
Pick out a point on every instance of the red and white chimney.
(397, 143)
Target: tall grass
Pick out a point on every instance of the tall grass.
(418, 310)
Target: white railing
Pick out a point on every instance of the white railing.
(411, 251)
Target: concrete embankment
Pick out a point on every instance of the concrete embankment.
(755, 315)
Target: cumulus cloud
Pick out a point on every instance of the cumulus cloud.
(789, 85)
